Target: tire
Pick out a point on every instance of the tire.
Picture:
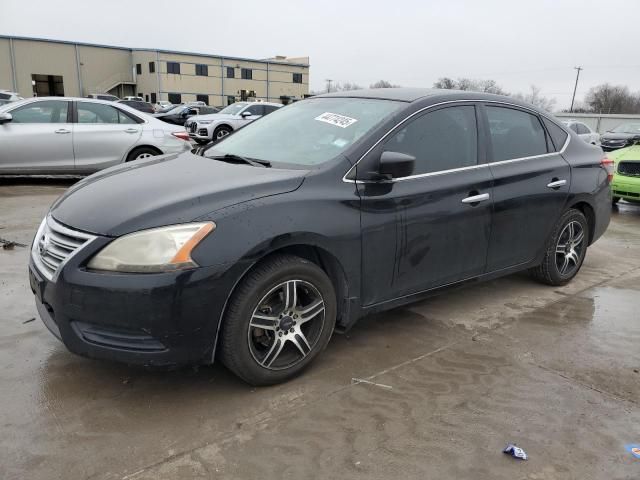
(221, 132)
(615, 200)
(564, 245)
(141, 153)
(276, 353)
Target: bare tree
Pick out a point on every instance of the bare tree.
(535, 98)
(488, 86)
(608, 98)
(383, 84)
(346, 86)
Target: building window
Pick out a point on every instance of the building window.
(154, 99)
(152, 67)
(139, 68)
(231, 72)
(203, 98)
(141, 95)
(202, 70)
(173, 67)
(231, 99)
(247, 74)
(246, 95)
(146, 98)
(47, 85)
(297, 78)
(175, 98)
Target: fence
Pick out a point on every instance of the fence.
(599, 122)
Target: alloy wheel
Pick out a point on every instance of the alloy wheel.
(143, 155)
(221, 134)
(286, 324)
(569, 248)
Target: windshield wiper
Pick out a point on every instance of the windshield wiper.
(238, 158)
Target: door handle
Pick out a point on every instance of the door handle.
(474, 199)
(62, 131)
(132, 130)
(555, 183)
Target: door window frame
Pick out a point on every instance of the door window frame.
(36, 102)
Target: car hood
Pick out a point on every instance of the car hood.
(165, 190)
(214, 116)
(619, 136)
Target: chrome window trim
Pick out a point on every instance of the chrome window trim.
(454, 170)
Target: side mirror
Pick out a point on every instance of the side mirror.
(5, 118)
(395, 165)
(245, 114)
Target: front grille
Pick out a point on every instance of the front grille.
(54, 245)
(203, 132)
(629, 169)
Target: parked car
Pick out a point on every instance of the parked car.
(141, 106)
(626, 179)
(133, 99)
(622, 136)
(162, 105)
(333, 208)
(7, 97)
(583, 131)
(205, 128)
(57, 135)
(181, 113)
(103, 96)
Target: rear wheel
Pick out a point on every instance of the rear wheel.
(279, 319)
(566, 250)
(141, 153)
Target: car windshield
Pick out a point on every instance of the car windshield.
(310, 132)
(234, 108)
(627, 128)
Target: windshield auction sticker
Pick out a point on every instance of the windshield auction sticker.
(336, 119)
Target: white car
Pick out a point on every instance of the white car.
(7, 97)
(207, 128)
(161, 105)
(61, 135)
(136, 99)
(583, 131)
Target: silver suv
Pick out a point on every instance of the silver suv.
(205, 128)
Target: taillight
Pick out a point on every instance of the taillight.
(181, 135)
(609, 166)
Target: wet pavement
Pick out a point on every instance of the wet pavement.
(443, 385)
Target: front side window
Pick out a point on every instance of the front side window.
(309, 132)
(515, 134)
(255, 110)
(439, 140)
(234, 108)
(50, 111)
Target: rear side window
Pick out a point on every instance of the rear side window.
(439, 140)
(96, 113)
(51, 111)
(557, 134)
(515, 134)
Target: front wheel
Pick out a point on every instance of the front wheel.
(221, 132)
(279, 319)
(565, 251)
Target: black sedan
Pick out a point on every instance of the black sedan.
(181, 113)
(622, 136)
(332, 208)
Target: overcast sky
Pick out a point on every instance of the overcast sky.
(408, 42)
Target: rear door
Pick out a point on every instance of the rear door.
(102, 135)
(531, 185)
(38, 139)
(425, 230)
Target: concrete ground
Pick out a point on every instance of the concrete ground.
(445, 385)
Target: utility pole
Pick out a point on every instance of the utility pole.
(328, 80)
(575, 88)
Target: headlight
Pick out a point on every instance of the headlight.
(155, 250)
(204, 122)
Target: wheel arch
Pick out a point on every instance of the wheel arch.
(588, 211)
(133, 149)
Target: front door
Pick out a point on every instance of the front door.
(37, 139)
(531, 185)
(431, 228)
(102, 135)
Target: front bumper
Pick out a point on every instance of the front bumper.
(626, 187)
(200, 132)
(146, 319)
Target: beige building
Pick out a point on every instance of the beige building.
(40, 67)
